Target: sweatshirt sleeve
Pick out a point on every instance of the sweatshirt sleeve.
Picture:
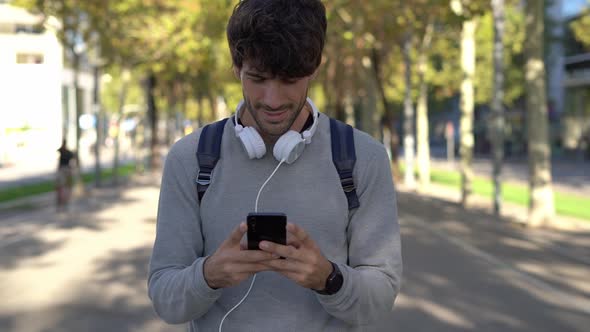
(372, 277)
(176, 284)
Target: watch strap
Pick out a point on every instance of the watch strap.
(333, 282)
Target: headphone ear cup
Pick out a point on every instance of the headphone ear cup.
(289, 147)
(252, 143)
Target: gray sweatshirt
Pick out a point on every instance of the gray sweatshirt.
(365, 243)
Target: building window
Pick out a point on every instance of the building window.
(27, 28)
(29, 58)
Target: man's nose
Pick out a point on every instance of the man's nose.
(273, 95)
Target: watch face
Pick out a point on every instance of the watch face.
(335, 284)
(335, 281)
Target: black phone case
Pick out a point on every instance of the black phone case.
(266, 227)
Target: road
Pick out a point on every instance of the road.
(463, 270)
(466, 271)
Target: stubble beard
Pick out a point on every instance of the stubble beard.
(272, 132)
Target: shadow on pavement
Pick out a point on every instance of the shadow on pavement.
(23, 238)
(115, 299)
(525, 286)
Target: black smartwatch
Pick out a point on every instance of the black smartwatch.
(334, 281)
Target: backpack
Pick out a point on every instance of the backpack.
(343, 157)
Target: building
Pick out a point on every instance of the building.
(575, 117)
(37, 105)
(567, 65)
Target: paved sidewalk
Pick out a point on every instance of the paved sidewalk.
(469, 271)
(84, 270)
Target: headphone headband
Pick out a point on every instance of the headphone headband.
(287, 148)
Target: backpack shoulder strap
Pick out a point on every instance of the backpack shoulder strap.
(208, 153)
(344, 158)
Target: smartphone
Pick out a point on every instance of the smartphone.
(266, 227)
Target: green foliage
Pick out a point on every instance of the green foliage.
(581, 28)
(513, 57)
(111, 84)
(183, 43)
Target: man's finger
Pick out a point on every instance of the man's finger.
(236, 234)
(285, 265)
(253, 256)
(279, 249)
(297, 232)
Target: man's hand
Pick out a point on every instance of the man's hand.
(229, 265)
(304, 263)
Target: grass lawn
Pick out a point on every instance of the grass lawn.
(565, 203)
(48, 186)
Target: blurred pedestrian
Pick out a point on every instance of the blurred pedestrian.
(64, 176)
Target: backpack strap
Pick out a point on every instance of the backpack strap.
(208, 154)
(344, 158)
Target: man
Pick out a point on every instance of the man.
(341, 269)
(64, 176)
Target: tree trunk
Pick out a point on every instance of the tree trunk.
(171, 114)
(213, 104)
(97, 111)
(497, 120)
(153, 120)
(201, 113)
(423, 148)
(467, 100)
(391, 138)
(125, 75)
(77, 174)
(541, 206)
(409, 179)
(98, 117)
(371, 118)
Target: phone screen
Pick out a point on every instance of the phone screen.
(266, 227)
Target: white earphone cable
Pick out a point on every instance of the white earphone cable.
(264, 184)
(253, 278)
(242, 300)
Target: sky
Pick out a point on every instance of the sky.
(572, 7)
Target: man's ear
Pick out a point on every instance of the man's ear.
(237, 73)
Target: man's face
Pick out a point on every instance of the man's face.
(274, 103)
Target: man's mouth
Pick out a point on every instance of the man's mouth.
(275, 115)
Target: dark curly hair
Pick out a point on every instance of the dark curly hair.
(282, 37)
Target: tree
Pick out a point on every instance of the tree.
(580, 27)
(431, 15)
(409, 142)
(467, 99)
(541, 205)
(497, 103)
(423, 144)
(470, 12)
(180, 55)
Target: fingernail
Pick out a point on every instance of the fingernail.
(263, 245)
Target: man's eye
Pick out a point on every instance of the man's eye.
(289, 81)
(257, 79)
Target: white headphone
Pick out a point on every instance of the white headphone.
(288, 147)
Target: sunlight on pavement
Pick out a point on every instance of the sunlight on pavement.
(96, 260)
(439, 312)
